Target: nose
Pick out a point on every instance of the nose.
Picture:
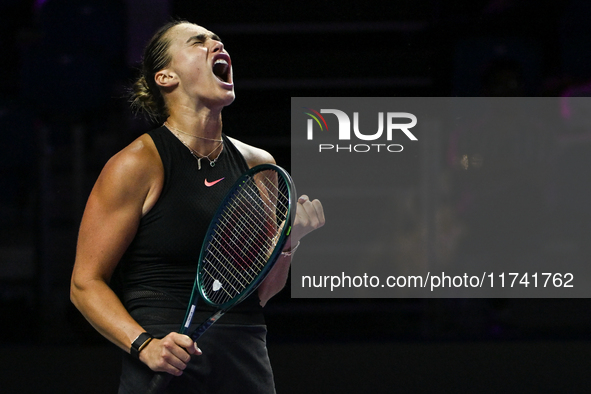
(218, 46)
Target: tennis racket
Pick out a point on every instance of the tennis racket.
(243, 242)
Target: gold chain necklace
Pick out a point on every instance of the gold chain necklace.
(190, 135)
(196, 154)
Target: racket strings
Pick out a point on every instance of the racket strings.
(241, 274)
(242, 219)
(269, 205)
(253, 244)
(280, 187)
(277, 191)
(225, 251)
(242, 261)
(219, 251)
(276, 213)
(270, 227)
(228, 293)
(281, 210)
(245, 237)
(246, 240)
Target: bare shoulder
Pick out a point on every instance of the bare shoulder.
(140, 158)
(122, 193)
(253, 156)
(136, 171)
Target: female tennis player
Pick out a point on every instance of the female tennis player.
(146, 218)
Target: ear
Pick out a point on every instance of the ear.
(166, 78)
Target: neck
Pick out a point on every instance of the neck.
(203, 124)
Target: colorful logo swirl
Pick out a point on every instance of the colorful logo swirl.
(316, 118)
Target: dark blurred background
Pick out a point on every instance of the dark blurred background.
(65, 67)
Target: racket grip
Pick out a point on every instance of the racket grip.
(195, 335)
(159, 383)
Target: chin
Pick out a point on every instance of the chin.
(222, 102)
(229, 99)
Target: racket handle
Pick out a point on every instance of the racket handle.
(205, 325)
(159, 383)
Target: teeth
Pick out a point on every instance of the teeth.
(220, 67)
(224, 65)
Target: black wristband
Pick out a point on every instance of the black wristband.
(140, 342)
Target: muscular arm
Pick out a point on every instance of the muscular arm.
(109, 224)
(309, 217)
(127, 188)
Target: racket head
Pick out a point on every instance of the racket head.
(246, 235)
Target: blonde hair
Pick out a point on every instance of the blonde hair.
(145, 93)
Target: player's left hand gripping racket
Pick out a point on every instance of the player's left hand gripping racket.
(243, 242)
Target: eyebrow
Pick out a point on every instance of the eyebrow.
(203, 37)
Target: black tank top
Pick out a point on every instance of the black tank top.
(158, 269)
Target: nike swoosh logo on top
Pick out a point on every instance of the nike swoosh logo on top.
(210, 184)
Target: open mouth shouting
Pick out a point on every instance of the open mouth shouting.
(221, 68)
